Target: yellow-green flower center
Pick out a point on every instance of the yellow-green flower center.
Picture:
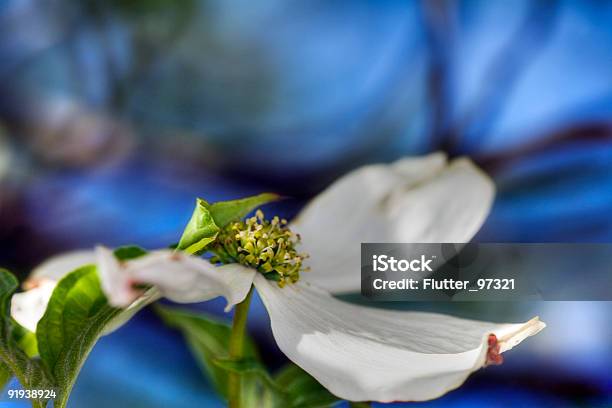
(266, 245)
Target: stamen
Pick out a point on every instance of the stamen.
(266, 245)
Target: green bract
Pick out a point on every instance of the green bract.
(200, 231)
(207, 219)
(224, 212)
(268, 246)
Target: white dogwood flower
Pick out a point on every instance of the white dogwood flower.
(356, 352)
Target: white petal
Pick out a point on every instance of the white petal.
(150, 296)
(179, 277)
(28, 307)
(57, 266)
(414, 200)
(112, 280)
(116, 284)
(366, 354)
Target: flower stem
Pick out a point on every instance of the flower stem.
(236, 348)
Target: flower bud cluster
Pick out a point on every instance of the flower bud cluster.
(266, 245)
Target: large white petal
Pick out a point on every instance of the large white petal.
(366, 354)
(179, 277)
(414, 200)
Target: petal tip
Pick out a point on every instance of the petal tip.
(525, 330)
(468, 164)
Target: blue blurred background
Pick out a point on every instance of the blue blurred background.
(115, 114)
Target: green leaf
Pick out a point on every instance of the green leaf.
(128, 252)
(200, 231)
(75, 318)
(291, 387)
(207, 338)
(302, 390)
(13, 359)
(5, 375)
(261, 389)
(224, 212)
(246, 366)
(25, 339)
